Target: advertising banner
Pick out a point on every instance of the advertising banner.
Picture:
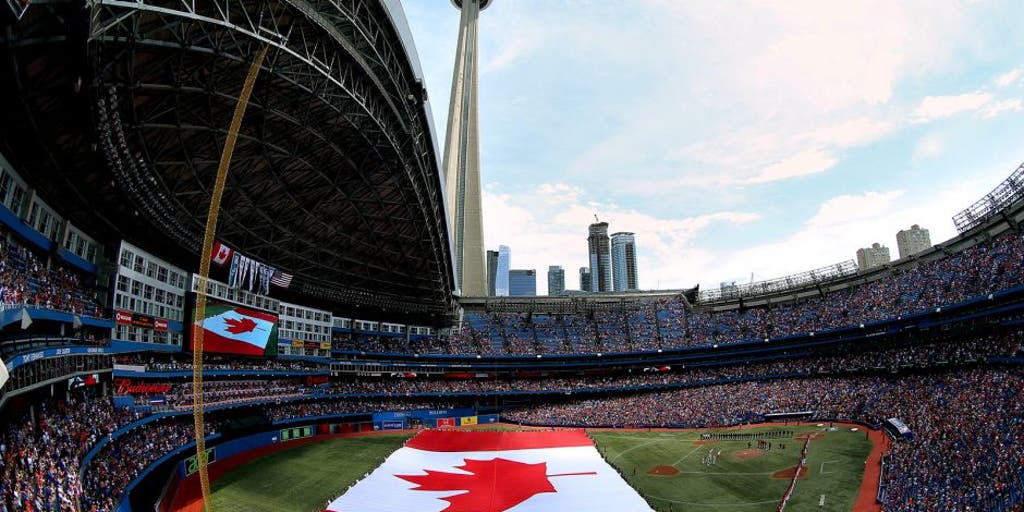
(138, 320)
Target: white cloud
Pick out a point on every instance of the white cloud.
(929, 146)
(938, 107)
(800, 164)
(1010, 77)
(513, 47)
(1009, 105)
(845, 209)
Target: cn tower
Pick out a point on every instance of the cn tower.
(462, 157)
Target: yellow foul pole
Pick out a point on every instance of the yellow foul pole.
(204, 275)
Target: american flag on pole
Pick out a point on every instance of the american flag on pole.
(281, 279)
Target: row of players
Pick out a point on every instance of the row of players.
(967, 451)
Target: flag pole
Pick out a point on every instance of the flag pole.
(204, 275)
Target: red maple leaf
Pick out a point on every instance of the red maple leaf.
(240, 325)
(495, 485)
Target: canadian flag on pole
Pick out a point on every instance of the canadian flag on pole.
(443, 471)
(221, 253)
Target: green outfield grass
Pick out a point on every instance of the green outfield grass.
(306, 478)
(302, 479)
(835, 464)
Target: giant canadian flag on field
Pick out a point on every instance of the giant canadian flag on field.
(236, 330)
(444, 471)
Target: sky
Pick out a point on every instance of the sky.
(738, 140)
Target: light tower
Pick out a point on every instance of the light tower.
(462, 157)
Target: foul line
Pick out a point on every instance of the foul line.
(740, 504)
(685, 456)
(641, 445)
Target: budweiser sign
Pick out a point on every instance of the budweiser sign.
(125, 387)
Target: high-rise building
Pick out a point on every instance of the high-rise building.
(600, 258)
(492, 271)
(501, 274)
(912, 241)
(874, 256)
(624, 262)
(522, 282)
(556, 280)
(584, 279)
(461, 161)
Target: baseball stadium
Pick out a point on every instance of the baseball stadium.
(242, 270)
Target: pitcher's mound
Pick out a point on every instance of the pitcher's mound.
(788, 473)
(663, 471)
(747, 454)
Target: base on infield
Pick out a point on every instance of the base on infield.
(788, 473)
(663, 471)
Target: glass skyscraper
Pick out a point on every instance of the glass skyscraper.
(584, 279)
(624, 262)
(600, 258)
(501, 284)
(492, 271)
(556, 280)
(522, 282)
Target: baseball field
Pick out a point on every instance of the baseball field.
(672, 470)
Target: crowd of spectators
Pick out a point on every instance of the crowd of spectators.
(394, 344)
(673, 323)
(221, 392)
(42, 454)
(177, 362)
(967, 446)
(25, 279)
(952, 351)
(124, 458)
(279, 412)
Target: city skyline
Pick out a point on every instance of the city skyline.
(810, 138)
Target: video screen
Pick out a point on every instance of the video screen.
(231, 329)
